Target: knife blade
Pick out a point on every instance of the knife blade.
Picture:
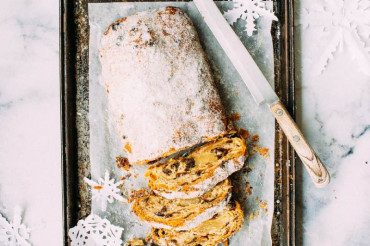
(260, 89)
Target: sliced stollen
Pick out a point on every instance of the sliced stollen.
(208, 233)
(194, 173)
(161, 93)
(183, 214)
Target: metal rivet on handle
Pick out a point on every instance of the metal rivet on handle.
(296, 138)
(279, 112)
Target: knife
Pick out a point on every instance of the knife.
(260, 88)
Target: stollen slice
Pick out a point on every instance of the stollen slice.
(160, 90)
(209, 233)
(194, 173)
(183, 214)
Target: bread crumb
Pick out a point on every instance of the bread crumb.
(234, 117)
(248, 188)
(135, 194)
(123, 163)
(263, 151)
(244, 133)
(255, 138)
(263, 205)
(128, 147)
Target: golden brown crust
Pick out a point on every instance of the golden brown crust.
(173, 151)
(176, 212)
(209, 233)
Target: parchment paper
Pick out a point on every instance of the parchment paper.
(105, 144)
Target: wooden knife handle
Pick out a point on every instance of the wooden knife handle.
(311, 161)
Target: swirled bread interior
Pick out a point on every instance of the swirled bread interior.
(209, 233)
(177, 212)
(185, 172)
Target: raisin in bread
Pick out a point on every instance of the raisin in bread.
(195, 173)
(161, 93)
(209, 233)
(183, 214)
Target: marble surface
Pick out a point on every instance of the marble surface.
(333, 110)
(29, 117)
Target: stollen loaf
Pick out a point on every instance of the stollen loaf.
(161, 93)
(182, 214)
(192, 174)
(209, 233)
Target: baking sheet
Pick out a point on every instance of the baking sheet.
(105, 144)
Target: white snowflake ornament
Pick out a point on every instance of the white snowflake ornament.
(95, 231)
(345, 23)
(250, 11)
(14, 233)
(105, 190)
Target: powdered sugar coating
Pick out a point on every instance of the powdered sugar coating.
(160, 88)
